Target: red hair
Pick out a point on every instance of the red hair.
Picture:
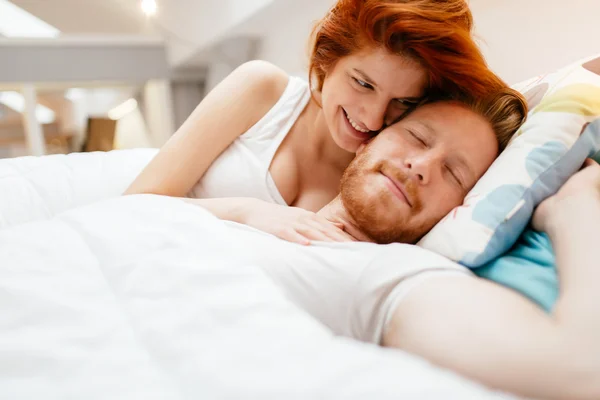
(435, 33)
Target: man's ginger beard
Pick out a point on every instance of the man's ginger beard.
(372, 208)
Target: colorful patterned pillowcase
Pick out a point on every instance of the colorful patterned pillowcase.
(550, 146)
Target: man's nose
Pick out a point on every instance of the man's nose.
(421, 166)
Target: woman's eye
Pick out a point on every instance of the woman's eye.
(363, 83)
(406, 103)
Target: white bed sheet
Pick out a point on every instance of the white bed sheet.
(142, 297)
(137, 297)
(33, 188)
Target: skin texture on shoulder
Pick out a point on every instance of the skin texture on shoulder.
(229, 110)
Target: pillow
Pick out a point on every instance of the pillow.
(529, 267)
(549, 147)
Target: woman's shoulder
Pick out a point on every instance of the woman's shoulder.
(263, 81)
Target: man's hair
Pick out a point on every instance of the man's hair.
(506, 110)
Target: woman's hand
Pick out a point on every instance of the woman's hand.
(580, 192)
(291, 223)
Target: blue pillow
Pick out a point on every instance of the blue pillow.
(529, 267)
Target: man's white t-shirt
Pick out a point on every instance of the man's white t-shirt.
(352, 288)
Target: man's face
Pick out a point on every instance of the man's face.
(416, 171)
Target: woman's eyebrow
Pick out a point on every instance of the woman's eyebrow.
(365, 77)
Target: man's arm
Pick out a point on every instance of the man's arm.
(494, 335)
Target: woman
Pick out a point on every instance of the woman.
(262, 141)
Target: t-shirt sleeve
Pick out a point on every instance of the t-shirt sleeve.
(391, 275)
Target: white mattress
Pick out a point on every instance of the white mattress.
(138, 297)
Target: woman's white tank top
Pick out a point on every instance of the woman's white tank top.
(242, 170)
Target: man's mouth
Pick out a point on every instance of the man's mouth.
(398, 189)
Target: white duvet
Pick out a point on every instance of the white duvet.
(33, 188)
(142, 297)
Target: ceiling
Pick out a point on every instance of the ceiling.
(118, 17)
(188, 27)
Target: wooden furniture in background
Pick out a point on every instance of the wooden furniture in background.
(13, 138)
(100, 134)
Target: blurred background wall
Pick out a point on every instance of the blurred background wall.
(81, 75)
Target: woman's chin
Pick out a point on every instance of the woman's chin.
(346, 142)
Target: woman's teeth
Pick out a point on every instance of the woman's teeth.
(355, 125)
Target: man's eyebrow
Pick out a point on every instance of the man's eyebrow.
(457, 159)
(462, 163)
(431, 134)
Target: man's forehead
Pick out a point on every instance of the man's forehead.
(447, 124)
(435, 111)
(443, 118)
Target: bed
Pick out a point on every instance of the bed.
(109, 297)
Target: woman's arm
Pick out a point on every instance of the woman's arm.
(229, 110)
(496, 336)
(288, 223)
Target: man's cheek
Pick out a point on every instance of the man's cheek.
(373, 191)
(387, 206)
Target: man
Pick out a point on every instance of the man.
(397, 295)
(402, 183)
